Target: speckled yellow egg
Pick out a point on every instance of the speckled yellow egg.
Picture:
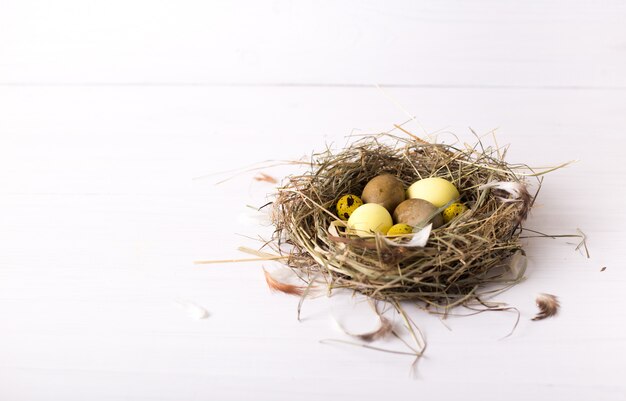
(346, 205)
(400, 229)
(435, 190)
(454, 210)
(369, 219)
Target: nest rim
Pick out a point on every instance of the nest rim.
(463, 260)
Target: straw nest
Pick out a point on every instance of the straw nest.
(463, 259)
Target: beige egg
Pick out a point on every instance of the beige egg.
(386, 190)
(416, 212)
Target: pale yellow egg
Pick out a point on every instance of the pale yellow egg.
(435, 190)
(369, 219)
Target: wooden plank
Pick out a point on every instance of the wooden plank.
(100, 220)
(432, 43)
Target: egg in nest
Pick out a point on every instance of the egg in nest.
(400, 229)
(435, 190)
(346, 205)
(454, 210)
(369, 220)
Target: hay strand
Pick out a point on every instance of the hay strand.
(459, 258)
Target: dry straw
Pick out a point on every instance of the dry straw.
(462, 259)
(463, 262)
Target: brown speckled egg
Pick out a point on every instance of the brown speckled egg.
(386, 190)
(415, 212)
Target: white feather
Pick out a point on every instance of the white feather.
(517, 264)
(515, 189)
(418, 239)
(332, 228)
(193, 310)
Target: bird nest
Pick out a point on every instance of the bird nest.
(459, 262)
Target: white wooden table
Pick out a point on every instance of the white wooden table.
(109, 110)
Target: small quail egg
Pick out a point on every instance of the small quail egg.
(346, 205)
(454, 210)
(400, 229)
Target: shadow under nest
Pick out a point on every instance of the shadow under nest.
(463, 260)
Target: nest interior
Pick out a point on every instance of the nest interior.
(462, 259)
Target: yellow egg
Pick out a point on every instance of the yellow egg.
(346, 205)
(434, 190)
(400, 229)
(369, 219)
(454, 210)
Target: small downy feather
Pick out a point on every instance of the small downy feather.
(385, 327)
(517, 265)
(548, 305)
(266, 178)
(515, 189)
(276, 285)
(518, 193)
(193, 310)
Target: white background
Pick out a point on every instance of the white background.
(110, 109)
